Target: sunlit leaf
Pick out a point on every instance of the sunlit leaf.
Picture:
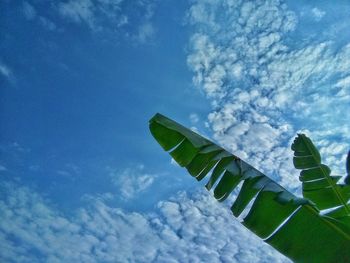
(290, 224)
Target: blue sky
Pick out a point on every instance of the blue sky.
(81, 178)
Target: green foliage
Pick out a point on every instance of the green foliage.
(318, 184)
(347, 179)
(292, 225)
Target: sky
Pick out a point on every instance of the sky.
(82, 179)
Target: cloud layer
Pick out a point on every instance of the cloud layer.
(186, 228)
(263, 86)
(131, 181)
(5, 71)
(266, 86)
(93, 13)
(132, 18)
(115, 19)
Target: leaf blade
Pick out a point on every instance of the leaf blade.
(318, 184)
(275, 213)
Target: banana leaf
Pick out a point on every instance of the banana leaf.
(292, 225)
(347, 178)
(318, 184)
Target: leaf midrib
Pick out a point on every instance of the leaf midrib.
(346, 235)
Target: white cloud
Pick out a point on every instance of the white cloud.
(183, 229)
(29, 11)
(79, 11)
(173, 162)
(132, 181)
(131, 18)
(5, 70)
(344, 82)
(146, 32)
(47, 23)
(33, 231)
(318, 14)
(263, 90)
(194, 118)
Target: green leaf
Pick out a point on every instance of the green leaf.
(166, 138)
(250, 188)
(218, 170)
(184, 153)
(260, 219)
(309, 237)
(348, 164)
(290, 224)
(318, 184)
(347, 178)
(201, 161)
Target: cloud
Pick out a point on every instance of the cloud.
(318, 14)
(29, 11)
(185, 228)
(113, 19)
(264, 86)
(131, 181)
(194, 118)
(146, 32)
(5, 71)
(47, 23)
(34, 231)
(31, 14)
(79, 11)
(131, 18)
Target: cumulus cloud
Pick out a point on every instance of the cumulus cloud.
(33, 231)
(194, 118)
(131, 181)
(317, 13)
(263, 89)
(146, 32)
(186, 228)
